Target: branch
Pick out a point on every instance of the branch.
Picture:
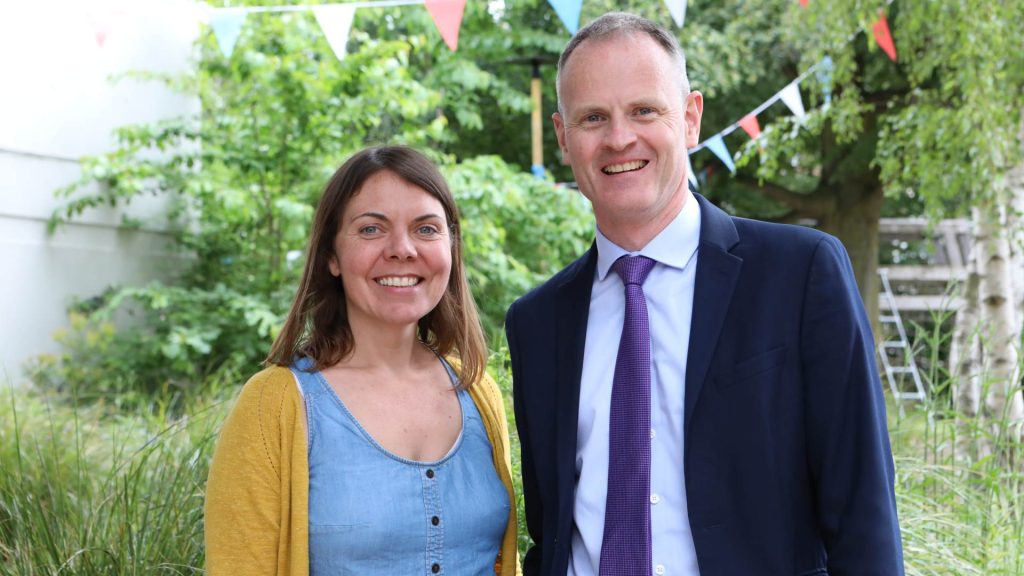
(810, 205)
(884, 96)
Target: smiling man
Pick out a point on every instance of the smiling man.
(697, 394)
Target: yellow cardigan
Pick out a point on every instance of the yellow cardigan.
(257, 496)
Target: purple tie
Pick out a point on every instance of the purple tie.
(626, 547)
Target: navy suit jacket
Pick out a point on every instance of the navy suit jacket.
(788, 466)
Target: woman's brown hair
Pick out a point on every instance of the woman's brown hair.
(317, 325)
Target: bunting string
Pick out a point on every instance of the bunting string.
(335, 21)
(308, 7)
(790, 95)
(764, 106)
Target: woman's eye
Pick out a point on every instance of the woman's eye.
(428, 230)
(369, 229)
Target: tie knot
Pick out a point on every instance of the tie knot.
(633, 269)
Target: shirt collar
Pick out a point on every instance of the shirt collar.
(674, 246)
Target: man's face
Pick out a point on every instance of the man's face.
(625, 127)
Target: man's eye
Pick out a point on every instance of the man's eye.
(645, 111)
(592, 118)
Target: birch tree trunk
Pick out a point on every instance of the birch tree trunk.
(965, 366)
(1002, 408)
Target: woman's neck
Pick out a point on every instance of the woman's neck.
(386, 348)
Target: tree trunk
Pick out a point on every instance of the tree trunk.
(853, 218)
(965, 367)
(1002, 406)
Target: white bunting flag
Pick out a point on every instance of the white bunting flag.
(226, 24)
(689, 172)
(791, 96)
(678, 10)
(336, 22)
(717, 145)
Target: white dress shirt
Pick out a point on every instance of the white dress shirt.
(669, 293)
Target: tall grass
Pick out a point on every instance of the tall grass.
(87, 491)
(960, 514)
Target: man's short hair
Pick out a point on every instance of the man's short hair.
(623, 24)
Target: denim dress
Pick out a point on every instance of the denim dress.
(372, 512)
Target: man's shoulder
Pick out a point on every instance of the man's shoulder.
(776, 230)
(542, 294)
(771, 236)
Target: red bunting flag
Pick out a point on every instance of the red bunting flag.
(750, 125)
(884, 37)
(803, 3)
(105, 21)
(447, 15)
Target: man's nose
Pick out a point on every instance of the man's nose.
(620, 134)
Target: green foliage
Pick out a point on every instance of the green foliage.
(518, 231)
(173, 339)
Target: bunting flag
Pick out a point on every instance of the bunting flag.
(689, 172)
(678, 10)
(803, 3)
(884, 37)
(750, 125)
(825, 78)
(103, 22)
(336, 22)
(791, 96)
(226, 24)
(568, 12)
(101, 27)
(717, 145)
(447, 16)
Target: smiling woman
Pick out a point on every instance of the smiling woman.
(375, 443)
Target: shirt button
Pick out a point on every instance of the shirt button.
(430, 474)
(659, 569)
(435, 568)
(652, 434)
(655, 498)
(435, 520)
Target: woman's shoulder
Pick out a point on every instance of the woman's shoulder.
(270, 393)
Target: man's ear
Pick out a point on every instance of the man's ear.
(694, 110)
(556, 119)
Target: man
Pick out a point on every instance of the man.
(710, 405)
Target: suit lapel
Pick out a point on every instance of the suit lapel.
(574, 308)
(717, 273)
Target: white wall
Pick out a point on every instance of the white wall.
(57, 105)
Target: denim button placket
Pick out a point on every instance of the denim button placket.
(432, 510)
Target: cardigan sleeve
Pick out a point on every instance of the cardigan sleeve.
(248, 490)
(491, 404)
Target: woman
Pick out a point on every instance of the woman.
(367, 448)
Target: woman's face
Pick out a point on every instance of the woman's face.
(392, 252)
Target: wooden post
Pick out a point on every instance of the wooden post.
(537, 166)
